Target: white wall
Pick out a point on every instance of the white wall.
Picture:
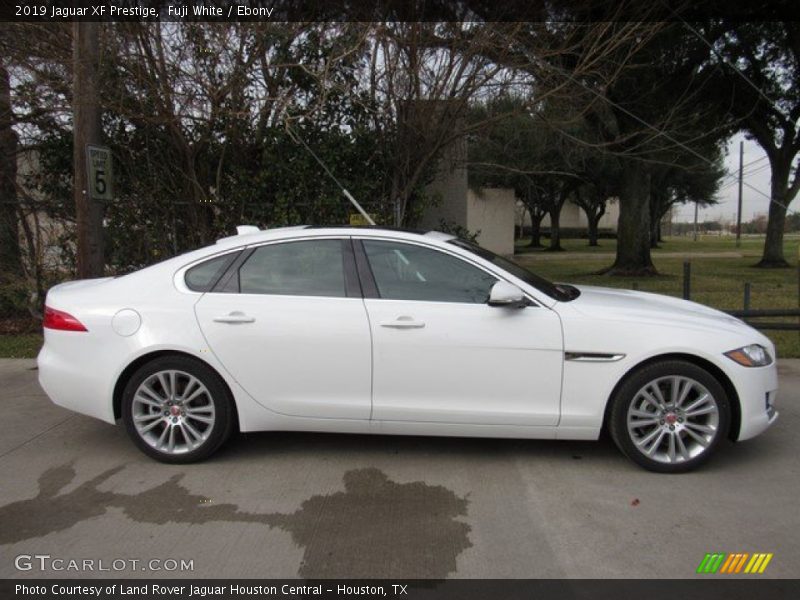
(448, 189)
(492, 212)
(573, 216)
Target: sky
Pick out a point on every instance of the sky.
(756, 174)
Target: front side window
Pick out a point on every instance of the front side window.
(410, 272)
(561, 292)
(302, 268)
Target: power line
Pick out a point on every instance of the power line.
(734, 177)
(752, 162)
(749, 81)
(650, 126)
(758, 170)
(724, 60)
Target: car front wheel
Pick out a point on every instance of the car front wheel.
(670, 416)
(177, 410)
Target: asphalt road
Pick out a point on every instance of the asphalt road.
(311, 505)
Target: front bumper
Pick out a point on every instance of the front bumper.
(757, 389)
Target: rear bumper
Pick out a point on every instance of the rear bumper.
(73, 380)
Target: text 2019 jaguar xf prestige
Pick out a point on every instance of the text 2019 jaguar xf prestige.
(368, 330)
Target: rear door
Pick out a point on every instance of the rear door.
(290, 326)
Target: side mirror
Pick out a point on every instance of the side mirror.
(505, 294)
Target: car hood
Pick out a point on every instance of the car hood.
(629, 305)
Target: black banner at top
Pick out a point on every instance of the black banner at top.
(43, 11)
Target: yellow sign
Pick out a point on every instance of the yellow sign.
(358, 220)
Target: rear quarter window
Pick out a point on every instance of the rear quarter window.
(202, 277)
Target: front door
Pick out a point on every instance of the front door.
(442, 354)
(290, 334)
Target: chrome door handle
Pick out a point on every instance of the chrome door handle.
(234, 317)
(403, 323)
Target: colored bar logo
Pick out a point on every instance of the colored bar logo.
(737, 562)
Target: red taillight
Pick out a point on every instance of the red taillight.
(57, 319)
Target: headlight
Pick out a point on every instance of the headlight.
(753, 355)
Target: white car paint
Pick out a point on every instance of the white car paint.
(469, 363)
(333, 364)
(301, 357)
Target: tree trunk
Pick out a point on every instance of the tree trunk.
(555, 231)
(654, 227)
(10, 261)
(86, 130)
(536, 230)
(773, 245)
(633, 228)
(593, 221)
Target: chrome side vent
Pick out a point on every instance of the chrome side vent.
(593, 356)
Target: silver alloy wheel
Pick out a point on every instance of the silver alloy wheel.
(673, 419)
(173, 411)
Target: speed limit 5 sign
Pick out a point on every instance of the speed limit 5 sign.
(99, 172)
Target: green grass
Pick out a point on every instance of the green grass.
(715, 281)
(23, 345)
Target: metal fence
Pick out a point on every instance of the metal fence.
(752, 316)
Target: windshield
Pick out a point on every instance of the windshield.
(558, 291)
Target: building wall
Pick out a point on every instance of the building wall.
(573, 217)
(449, 189)
(492, 212)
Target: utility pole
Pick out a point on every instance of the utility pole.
(695, 221)
(86, 130)
(739, 212)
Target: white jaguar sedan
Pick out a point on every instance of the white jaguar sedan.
(368, 330)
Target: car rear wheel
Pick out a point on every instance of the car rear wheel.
(670, 416)
(177, 410)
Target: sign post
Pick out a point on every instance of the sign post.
(100, 173)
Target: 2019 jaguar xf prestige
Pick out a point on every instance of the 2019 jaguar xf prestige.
(368, 330)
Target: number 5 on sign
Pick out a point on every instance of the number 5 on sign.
(99, 172)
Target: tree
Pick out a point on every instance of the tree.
(420, 81)
(640, 86)
(592, 200)
(217, 120)
(599, 173)
(10, 256)
(765, 96)
(518, 150)
(686, 179)
(662, 105)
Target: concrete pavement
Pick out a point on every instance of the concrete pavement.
(312, 505)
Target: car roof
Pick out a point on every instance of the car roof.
(250, 235)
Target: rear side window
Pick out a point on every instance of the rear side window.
(202, 277)
(302, 268)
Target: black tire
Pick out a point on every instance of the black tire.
(628, 393)
(217, 396)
